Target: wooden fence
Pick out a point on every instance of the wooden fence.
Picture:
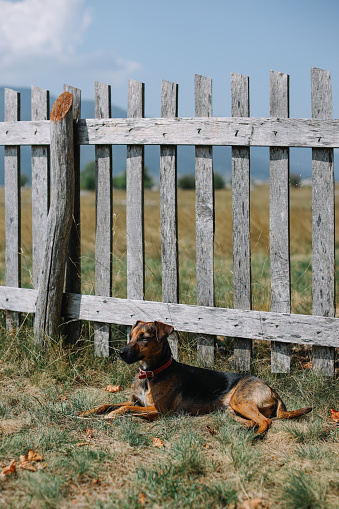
(279, 132)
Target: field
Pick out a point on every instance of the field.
(201, 461)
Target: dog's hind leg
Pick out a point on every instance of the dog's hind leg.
(246, 422)
(250, 410)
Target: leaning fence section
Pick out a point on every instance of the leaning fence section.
(278, 132)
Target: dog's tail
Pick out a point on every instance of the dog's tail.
(282, 413)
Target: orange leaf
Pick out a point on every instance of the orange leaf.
(334, 415)
(89, 432)
(157, 442)
(27, 465)
(142, 498)
(254, 503)
(61, 398)
(11, 469)
(113, 388)
(307, 365)
(33, 456)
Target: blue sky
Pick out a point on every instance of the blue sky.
(49, 42)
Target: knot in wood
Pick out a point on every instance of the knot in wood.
(61, 106)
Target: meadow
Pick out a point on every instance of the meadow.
(178, 461)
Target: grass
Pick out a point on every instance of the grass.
(206, 460)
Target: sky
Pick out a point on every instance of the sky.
(50, 42)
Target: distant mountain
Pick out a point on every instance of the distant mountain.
(300, 158)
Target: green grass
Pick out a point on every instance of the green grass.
(98, 464)
(95, 463)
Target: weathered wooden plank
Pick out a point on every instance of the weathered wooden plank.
(169, 207)
(323, 246)
(73, 261)
(59, 223)
(103, 224)
(300, 329)
(241, 220)
(204, 216)
(135, 200)
(40, 183)
(280, 221)
(266, 132)
(25, 133)
(12, 205)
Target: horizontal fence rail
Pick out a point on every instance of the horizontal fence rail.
(284, 327)
(279, 132)
(217, 131)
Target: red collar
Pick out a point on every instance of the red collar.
(150, 374)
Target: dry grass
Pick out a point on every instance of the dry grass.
(205, 460)
(116, 465)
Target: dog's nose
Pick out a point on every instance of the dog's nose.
(123, 353)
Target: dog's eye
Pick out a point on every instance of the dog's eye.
(143, 339)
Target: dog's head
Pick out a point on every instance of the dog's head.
(148, 340)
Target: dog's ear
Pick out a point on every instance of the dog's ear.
(134, 326)
(163, 330)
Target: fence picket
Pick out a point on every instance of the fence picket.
(279, 221)
(40, 183)
(103, 221)
(241, 220)
(73, 264)
(12, 205)
(169, 208)
(135, 200)
(323, 288)
(240, 132)
(204, 213)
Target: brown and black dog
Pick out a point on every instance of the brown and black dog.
(164, 385)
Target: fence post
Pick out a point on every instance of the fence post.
(242, 296)
(52, 276)
(204, 215)
(323, 263)
(280, 222)
(73, 261)
(103, 219)
(168, 207)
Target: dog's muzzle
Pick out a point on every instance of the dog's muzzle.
(128, 355)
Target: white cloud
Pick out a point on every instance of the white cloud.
(40, 43)
(40, 28)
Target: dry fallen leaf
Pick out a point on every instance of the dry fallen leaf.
(113, 388)
(207, 446)
(142, 498)
(33, 456)
(157, 442)
(61, 398)
(334, 415)
(307, 365)
(89, 433)
(254, 503)
(27, 465)
(212, 431)
(11, 469)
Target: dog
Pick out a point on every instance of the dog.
(165, 386)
